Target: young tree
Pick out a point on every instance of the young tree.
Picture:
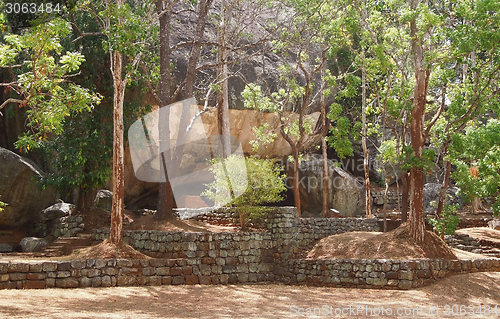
(124, 30)
(478, 147)
(438, 36)
(313, 35)
(262, 184)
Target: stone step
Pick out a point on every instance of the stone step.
(65, 245)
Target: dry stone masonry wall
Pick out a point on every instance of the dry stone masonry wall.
(244, 257)
(67, 226)
(392, 197)
(361, 273)
(376, 273)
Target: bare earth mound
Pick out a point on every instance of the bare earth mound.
(151, 223)
(107, 250)
(396, 244)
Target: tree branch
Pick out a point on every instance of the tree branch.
(13, 101)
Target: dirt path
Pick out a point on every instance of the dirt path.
(248, 301)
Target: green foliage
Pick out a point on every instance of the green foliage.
(263, 184)
(409, 160)
(42, 80)
(81, 155)
(480, 147)
(254, 98)
(388, 152)
(2, 205)
(448, 222)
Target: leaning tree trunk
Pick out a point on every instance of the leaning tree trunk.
(116, 230)
(444, 187)
(196, 48)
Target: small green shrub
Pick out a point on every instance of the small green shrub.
(448, 222)
(262, 184)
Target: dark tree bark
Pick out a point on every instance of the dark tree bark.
(196, 48)
(222, 72)
(165, 195)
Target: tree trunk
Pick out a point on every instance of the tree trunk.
(296, 177)
(223, 114)
(116, 230)
(222, 72)
(444, 187)
(405, 196)
(417, 217)
(196, 48)
(165, 195)
(366, 154)
(324, 131)
(85, 199)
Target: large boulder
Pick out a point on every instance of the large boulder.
(431, 196)
(57, 211)
(139, 194)
(6, 248)
(33, 244)
(346, 193)
(104, 199)
(19, 189)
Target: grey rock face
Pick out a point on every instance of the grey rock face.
(57, 211)
(431, 194)
(18, 188)
(104, 199)
(6, 248)
(33, 244)
(345, 193)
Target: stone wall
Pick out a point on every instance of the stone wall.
(359, 273)
(242, 257)
(392, 197)
(251, 252)
(125, 272)
(312, 229)
(376, 273)
(67, 226)
(473, 222)
(285, 233)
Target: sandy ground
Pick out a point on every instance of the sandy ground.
(254, 301)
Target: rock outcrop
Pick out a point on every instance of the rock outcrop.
(18, 188)
(56, 211)
(104, 199)
(140, 194)
(33, 244)
(345, 194)
(431, 196)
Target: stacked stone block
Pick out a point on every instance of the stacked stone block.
(376, 273)
(67, 226)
